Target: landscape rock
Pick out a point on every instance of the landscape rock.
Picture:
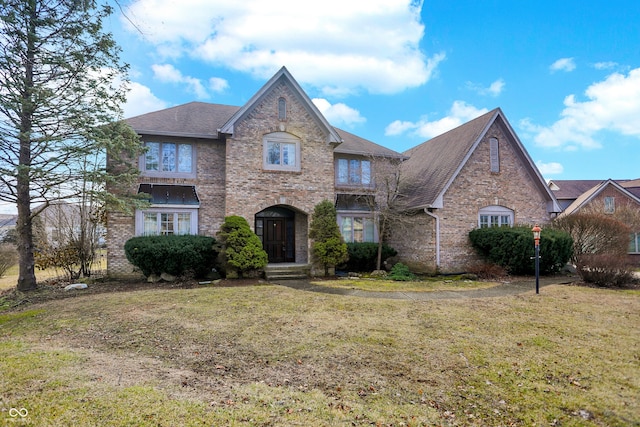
(168, 277)
(75, 286)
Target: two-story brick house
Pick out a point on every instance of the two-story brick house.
(273, 159)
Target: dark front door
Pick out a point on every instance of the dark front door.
(275, 239)
(276, 228)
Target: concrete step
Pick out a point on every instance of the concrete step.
(286, 271)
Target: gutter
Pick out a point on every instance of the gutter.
(437, 235)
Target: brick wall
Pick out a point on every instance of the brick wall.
(475, 187)
(251, 189)
(209, 183)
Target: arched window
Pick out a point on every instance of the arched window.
(282, 109)
(495, 216)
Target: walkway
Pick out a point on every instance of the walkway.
(504, 289)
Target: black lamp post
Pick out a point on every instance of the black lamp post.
(536, 240)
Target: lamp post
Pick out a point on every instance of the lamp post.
(536, 240)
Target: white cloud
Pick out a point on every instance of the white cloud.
(217, 84)
(563, 64)
(140, 100)
(551, 168)
(339, 113)
(605, 65)
(362, 44)
(167, 73)
(494, 88)
(613, 105)
(459, 113)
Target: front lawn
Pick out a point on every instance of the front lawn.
(272, 356)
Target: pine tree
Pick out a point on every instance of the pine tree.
(61, 86)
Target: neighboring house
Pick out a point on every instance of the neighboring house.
(7, 223)
(604, 196)
(275, 158)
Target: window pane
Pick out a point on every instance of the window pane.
(150, 224)
(504, 221)
(368, 230)
(495, 220)
(152, 157)
(366, 172)
(184, 223)
(184, 158)
(289, 154)
(354, 172)
(358, 230)
(273, 153)
(166, 224)
(484, 221)
(282, 109)
(346, 230)
(343, 171)
(169, 157)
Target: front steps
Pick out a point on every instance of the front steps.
(287, 271)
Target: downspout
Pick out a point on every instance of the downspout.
(437, 235)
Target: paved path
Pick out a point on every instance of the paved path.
(504, 289)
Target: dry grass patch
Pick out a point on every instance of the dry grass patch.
(387, 285)
(271, 356)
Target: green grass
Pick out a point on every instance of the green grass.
(271, 356)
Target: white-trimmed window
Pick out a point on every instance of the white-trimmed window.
(495, 216)
(281, 151)
(166, 222)
(356, 228)
(609, 205)
(353, 172)
(168, 159)
(634, 245)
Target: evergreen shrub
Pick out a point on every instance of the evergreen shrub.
(363, 256)
(175, 255)
(513, 248)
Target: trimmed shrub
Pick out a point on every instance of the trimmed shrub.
(605, 270)
(175, 255)
(363, 256)
(513, 248)
(401, 273)
(241, 248)
(328, 248)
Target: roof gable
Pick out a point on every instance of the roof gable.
(434, 164)
(283, 74)
(586, 197)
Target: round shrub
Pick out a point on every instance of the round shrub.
(363, 256)
(175, 255)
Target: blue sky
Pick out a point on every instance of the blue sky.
(399, 72)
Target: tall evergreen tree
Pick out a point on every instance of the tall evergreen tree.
(61, 83)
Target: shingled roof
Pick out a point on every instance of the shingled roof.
(433, 164)
(353, 144)
(194, 120)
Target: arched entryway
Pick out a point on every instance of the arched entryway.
(276, 228)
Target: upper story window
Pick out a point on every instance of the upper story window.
(281, 151)
(609, 205)
(168, 159)
(282, 109)
(353, 172)
(495, 216)
(494, 154)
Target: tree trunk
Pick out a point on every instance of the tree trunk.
(24, 228)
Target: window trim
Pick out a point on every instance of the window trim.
(142, 162)
(349, 174)
(140, 214)
(635, 242)
(280, 138)
(609, 205)
(500, 212)
(342, 215)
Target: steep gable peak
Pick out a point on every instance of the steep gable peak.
(283, 75)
